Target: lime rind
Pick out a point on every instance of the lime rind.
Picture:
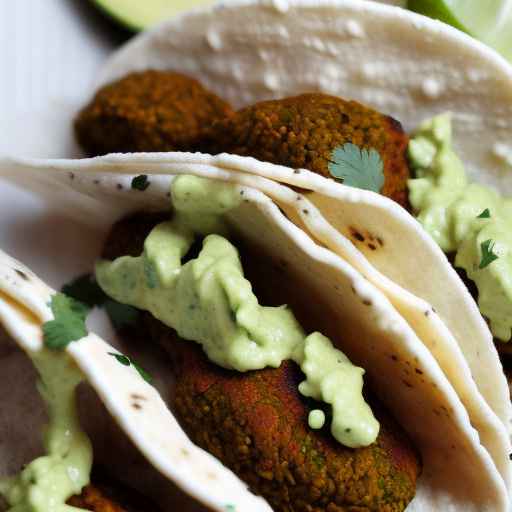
(437, 10)
(489, 21)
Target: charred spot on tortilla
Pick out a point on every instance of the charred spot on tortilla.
(22, 274)
(138, 397)
(148, 111)
(140, 182)
(303, 131)
(356, 234)
(371, 241)
(256, 422)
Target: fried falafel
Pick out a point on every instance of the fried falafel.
(256, 423)
(148, 111)
(303, 131)
(100, 497)
(92, 498)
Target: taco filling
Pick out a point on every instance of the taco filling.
(283, 409)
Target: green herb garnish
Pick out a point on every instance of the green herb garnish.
(86, 290)
(230, 508)
(486, 214)
(140, 182)
(143, 373)
(357, 167)
(68, 324)
(121, 315)
(488, 256)
(150, 273)
(126, 361)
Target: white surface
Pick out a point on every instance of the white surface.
(50, 51)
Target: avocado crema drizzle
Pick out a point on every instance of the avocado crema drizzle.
(46, 483)
(471, 220)
(209, 301)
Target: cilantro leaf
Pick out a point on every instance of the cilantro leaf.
(126, 361)
(121, 315)
(486, 214)
(85, 289)
(143, 373)
(68, 324)
(140, 182)
(488, 256)
(357, 167)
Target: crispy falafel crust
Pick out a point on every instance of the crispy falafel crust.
(302, 131)
(256, 422)
(101, 497)
(93, 499)
(148, 111)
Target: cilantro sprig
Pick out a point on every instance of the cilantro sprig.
(86, 290)
(488, 256)
(357, 167)
(68, 324)
(127, 361)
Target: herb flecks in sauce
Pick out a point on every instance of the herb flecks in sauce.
(458, 216)
(140, 182)
(209, 301)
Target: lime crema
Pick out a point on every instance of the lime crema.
(208, 300)
(49, 481)
(472, 221)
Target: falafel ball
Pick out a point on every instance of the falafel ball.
(302, 132)
(100, 497)
(256, 423)
(148, 111)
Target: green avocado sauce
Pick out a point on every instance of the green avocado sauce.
(208, 300)
(464, 218)
(49, 481)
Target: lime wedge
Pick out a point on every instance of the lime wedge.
(490, 21)
(140, 14)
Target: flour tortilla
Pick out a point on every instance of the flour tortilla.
(459, 474)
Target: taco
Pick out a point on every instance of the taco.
(336, 254)
(327, 295)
